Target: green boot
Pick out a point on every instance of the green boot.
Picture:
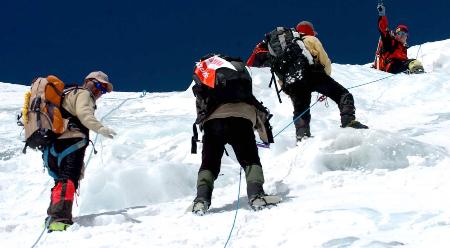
(57, 226)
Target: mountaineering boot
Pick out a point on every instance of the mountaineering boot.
(257, 202)
(415, 67)
(205, 186)
(52, 224)
(302, 133)
(347, 108)
(356, 124)
(61, 201)
(57, 226)
(301, 129)
(262, 201)
(255, 179)
(200, 207)
(257, 199)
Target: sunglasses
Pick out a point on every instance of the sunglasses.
(100, 87)
(401, 33)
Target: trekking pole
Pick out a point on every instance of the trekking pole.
(273, 79)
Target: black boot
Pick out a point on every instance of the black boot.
(347, 108)
(301, 129)
(356, 124)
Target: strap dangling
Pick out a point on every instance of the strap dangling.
(194, 139)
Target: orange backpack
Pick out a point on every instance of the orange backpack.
(41, 113)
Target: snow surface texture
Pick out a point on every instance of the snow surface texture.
(383, 187)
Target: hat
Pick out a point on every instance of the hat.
(401, 27)
(306, 27)
(101, 77)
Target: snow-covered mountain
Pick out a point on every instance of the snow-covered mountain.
(383, 187)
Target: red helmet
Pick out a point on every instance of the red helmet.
(306, 27)
(401, 28)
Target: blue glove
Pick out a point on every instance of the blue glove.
(381, 10)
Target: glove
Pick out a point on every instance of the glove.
(107, 132)
(381, 10)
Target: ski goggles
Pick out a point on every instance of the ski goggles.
(100, 87)
(402, 33)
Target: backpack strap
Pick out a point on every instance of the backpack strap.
(45, 158)
(194, 139)
(282, 37)
(60, 156)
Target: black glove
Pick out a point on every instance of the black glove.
(381, 9)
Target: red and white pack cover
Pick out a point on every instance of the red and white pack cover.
(206, 69)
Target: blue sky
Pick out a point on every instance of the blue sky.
(153, 45)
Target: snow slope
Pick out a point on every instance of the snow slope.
(382, 187)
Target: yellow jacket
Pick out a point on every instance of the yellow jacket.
(316, 49)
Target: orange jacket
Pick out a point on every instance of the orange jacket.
(260, 56)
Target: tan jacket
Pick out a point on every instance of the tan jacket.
(243, 110)
(316, 49)
(81, 104)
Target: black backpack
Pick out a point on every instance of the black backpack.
(290, 58)
(220, 79)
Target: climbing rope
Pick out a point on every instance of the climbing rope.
(371, 82)
(237, 208)
(47, 223)
(144, 93)
(320, 99)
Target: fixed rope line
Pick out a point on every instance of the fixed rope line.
(296, 118)
(237, 208)
(144, 93)
(47, 223)
(371, 82)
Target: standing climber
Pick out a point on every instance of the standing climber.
(303, 67)
(64, 158)
(228, 113)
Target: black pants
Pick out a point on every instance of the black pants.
(71, 165)
(238, 132)
(325, 85)
(399, 66)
